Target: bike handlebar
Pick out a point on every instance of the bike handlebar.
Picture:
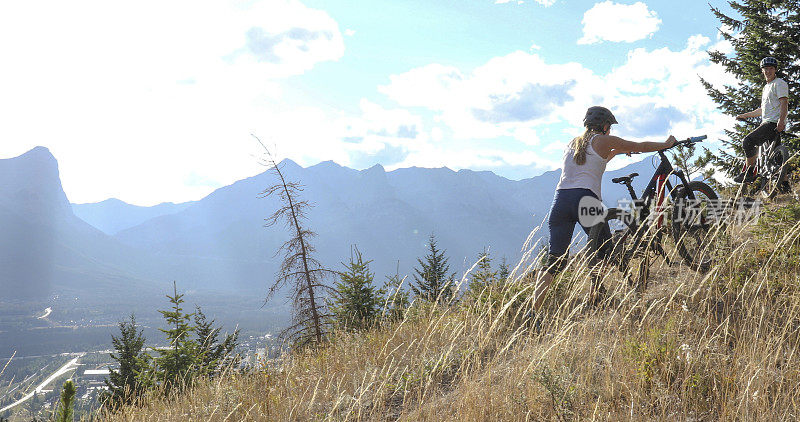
(688, 141)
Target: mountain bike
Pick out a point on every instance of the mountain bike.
(639, 230)
(771, 168)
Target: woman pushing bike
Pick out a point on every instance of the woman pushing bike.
(585, 162)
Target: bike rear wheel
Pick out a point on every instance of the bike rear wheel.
(692, 221)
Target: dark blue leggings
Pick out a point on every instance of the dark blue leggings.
(563, 216)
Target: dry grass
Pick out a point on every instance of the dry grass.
(719, 345)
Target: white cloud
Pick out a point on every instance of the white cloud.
(149, 107)
(373, 135)
(433, 86)
(654, 93)
(498, 98)
(142, 101)
(616, 22)
(377, 127)
(397, 123)
(287, 38)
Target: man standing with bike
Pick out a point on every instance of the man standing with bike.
(773, 111)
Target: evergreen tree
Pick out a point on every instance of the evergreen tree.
(356, 302)
(503, 272)
(397, 300)
(213, 353)
(683, 158)
(482, 276)
(123, 383)
(431, 281)
(177, 364)
(763, 28)
(174, 366)
(67, 403)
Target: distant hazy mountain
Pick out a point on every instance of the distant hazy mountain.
(44, 248)
(388, 215)
(220, 242)
(112, 215)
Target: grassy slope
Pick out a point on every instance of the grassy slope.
(720, 345)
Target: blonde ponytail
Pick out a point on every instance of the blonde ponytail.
(578, 145)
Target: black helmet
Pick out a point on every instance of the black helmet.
(598, 116)
(769, 61)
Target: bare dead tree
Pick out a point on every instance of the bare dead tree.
(299, 268)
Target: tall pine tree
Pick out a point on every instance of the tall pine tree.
(123, 383)
(762, 28)
(397, 300)
(432, 281)
(176, 365)
(66, 411)
(356, 303)
(213, 353)
(503, 272)
(482, 276)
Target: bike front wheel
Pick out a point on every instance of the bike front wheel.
(693, 216)
(775, 171)
(614, 242)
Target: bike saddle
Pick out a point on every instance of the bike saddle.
(624, 179)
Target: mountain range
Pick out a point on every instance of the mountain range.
(112, 215)
(220, 242)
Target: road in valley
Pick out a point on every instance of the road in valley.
(61, 371)
(46, 313)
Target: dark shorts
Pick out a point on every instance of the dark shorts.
(563, 216)
(765, 132)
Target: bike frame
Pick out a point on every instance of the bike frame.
(658, 189)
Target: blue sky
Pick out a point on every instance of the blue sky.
(154, 101)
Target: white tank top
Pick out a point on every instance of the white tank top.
(586, 176)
